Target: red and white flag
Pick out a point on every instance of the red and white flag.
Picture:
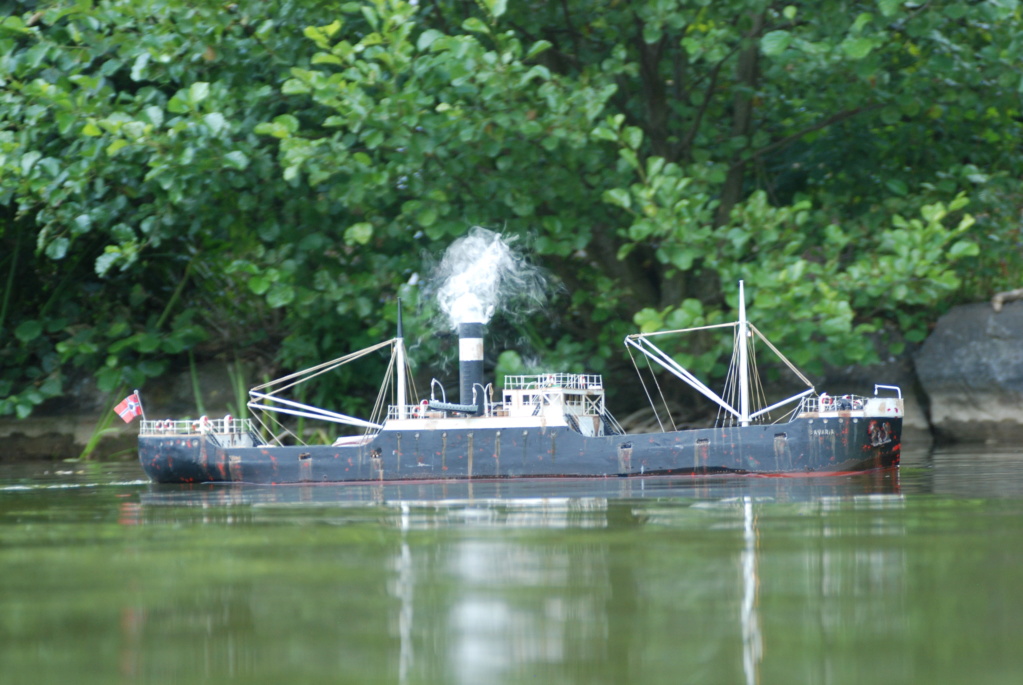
(129, 408)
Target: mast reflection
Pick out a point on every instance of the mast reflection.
(602, 582)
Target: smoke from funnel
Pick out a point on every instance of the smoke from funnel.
(480, 273)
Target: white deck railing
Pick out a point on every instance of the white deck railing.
(828, 403)
(542, 381)
(225, 426)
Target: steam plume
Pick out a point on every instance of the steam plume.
(480, 273)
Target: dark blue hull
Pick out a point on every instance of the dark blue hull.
(802, 445)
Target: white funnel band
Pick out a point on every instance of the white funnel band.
(470, 349)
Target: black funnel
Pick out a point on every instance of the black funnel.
(470, 363)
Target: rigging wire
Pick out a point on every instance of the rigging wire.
(645, 389)
(380, 406)
(411, 381)
(667, 409)
(755, 392)
(759, 396)
(728, 392)
(273, 432)
(277, 429)
(781, 356)
(314, 371)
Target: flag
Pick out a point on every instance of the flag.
(129, 408)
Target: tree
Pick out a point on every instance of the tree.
(692, 99)
(133, 184)
(263, 179)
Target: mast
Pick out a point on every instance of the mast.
(400, 363)
(742, 334)
(742, 331)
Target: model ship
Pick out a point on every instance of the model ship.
(536, 426)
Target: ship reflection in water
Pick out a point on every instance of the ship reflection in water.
(725, 579)
(886, 577)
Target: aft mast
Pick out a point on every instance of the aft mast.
(741, 335)
(742, 331)
(400, 364)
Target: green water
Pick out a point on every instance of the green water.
(911, 577)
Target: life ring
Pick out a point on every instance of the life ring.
(420, 410)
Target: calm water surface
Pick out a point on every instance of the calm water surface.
(896, 577)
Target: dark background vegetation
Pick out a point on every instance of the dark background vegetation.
(257, 182)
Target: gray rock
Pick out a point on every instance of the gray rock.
(971, 367)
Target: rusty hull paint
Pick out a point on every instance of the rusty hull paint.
(801, 446)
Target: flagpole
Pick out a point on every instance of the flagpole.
(141, 407)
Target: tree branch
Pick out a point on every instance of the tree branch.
(833, 119)
(747, 75)
(687, 142)
(571, 29)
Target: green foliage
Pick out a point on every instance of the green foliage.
(132, 178)
(260, 180)
(793, 168)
